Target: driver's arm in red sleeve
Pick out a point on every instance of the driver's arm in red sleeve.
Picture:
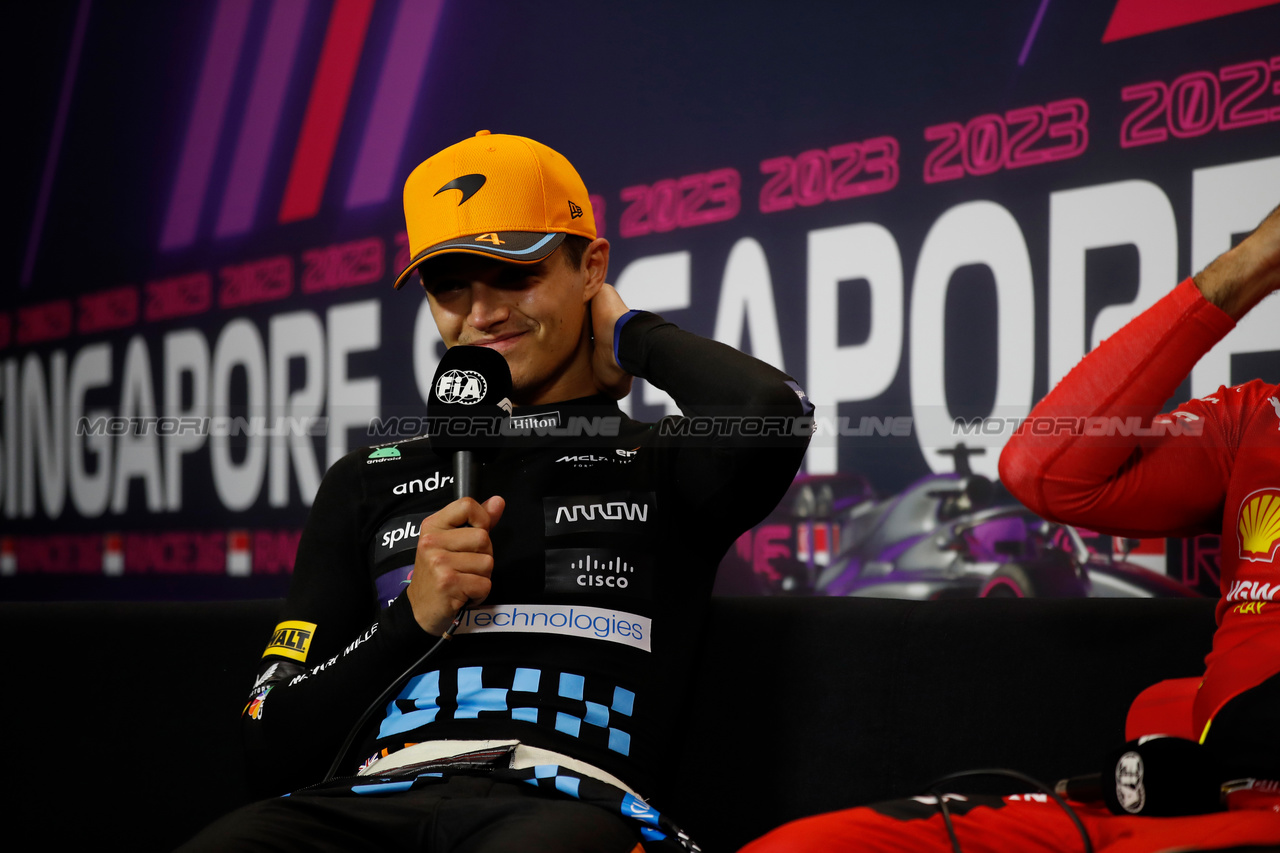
(1072, 461)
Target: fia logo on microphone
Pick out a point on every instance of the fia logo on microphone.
(461, 386)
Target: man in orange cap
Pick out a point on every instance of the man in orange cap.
(577, 581)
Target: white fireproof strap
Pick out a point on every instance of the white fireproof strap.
(523, 757)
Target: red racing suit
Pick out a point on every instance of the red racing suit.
(1097, 452)
(1212, 465)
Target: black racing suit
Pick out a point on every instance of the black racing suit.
(604, 560)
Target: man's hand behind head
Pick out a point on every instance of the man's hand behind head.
(606, 307)
(453, 562)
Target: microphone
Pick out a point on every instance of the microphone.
(467, 411)
(1082, 789)
(1154, 776)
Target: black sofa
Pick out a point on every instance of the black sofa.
(122, 719)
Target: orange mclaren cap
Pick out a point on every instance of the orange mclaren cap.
(502, 196)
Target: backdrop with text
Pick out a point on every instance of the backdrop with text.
(926, 213)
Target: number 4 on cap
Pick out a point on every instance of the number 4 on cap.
(491, 237)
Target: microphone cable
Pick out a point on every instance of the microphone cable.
(489, 373)
(382, 697)
(941, 799)
(400, 679)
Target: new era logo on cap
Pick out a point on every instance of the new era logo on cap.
(526, 210)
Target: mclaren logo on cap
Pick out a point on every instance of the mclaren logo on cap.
(469, 184)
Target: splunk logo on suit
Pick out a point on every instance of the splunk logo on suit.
(597, 571)
(616, 512)
(397, 534)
